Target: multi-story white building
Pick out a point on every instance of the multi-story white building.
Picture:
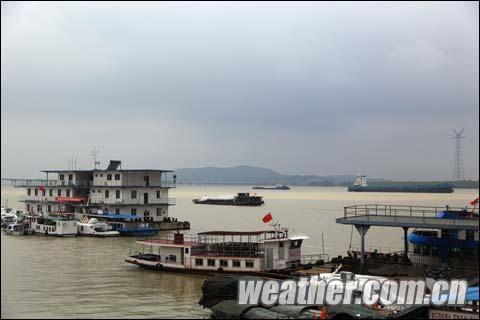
(141, 192)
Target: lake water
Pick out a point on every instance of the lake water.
(46, 277)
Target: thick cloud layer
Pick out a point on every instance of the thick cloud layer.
(321, 88)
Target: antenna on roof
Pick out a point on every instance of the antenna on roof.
(94, 155)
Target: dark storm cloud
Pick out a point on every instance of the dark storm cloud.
(313, 74)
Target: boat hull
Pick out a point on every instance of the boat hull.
(412, 189)
(230, 203)
(163, 267)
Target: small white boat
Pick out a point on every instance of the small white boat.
(8, 218)
(94, 228)
(17, 229)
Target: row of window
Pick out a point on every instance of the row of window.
(133, 193)
(50, 192)
(49, 229)
(224, 263)
(62, 177)
(146, 213)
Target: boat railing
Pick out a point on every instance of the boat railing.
(53, 183)
(314, 258)
(425, 212)
(169, 239)
(379, 249)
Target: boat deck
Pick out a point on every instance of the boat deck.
(406, 216)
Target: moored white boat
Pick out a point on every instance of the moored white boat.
(93, 228)
(52, 225)
(238, 252)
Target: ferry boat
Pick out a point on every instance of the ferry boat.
(93, 228)
(235, 252)
(241, 199)
(361, 185)
(60, 225)
(276, 187)
(126, 224)
(446, 246)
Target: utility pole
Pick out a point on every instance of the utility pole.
(458, 163)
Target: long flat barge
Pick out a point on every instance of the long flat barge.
(241, 199)
(361, 185)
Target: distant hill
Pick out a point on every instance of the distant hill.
(250, 175)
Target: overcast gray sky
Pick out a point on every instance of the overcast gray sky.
(319, 88)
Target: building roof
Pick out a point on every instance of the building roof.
(234, 233)
(62, 170)
(134, 170)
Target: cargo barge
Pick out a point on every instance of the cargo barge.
(241, 199)
(277, 187)
(360, 185)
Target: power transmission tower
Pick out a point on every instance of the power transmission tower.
(458, 163)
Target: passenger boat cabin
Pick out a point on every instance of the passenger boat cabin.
(229, 251)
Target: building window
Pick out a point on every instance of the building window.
(29, 191)
(470, 235)
(158, 194)
(117, 176)
(49, 208)
(117, 194)
(68, 192)
(134, 194)
(107, 194)
(93, 190)
(172, 258)
(117, 211)
(96, 174)
(39, 208)
(59, 192)
(236, 263)
(211, 262)
(199, 262)
(248, 263)
(224, 263)
(186, 250)
(36, 192)
(134, 212)
(109, 176)
(70, 177)
(159, 213)
(50, 192)
(28, 207)
(62, 177)
(146, 213)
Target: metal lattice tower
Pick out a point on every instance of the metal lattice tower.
(458, 163)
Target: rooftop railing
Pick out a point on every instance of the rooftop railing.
(401, 210)
(137, 201)
(53, 183)
(403, 213)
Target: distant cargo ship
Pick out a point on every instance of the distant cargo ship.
(241, 199)
(360, 185)
(277, 187)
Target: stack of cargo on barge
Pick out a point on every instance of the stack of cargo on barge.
(241, 199)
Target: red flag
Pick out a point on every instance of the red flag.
(267, 218)
(474, 202)
(42, 188)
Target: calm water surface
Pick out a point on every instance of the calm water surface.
(87, 277)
